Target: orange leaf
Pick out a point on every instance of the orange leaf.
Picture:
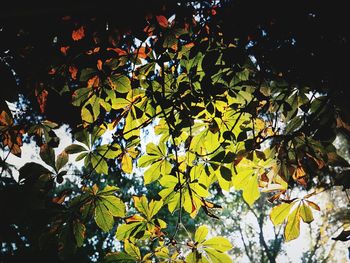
(119, 51)
(78, 34)
(162, 21)
(174, 47)
(298, 173)
(99, 64)
(73, 72)
(93, 51)
(141, 52)
(189, 45)
(93, 82)
(134, 218)
(64, 50)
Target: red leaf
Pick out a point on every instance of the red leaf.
(162, 21)
(78, 34)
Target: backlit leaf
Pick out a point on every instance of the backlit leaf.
(201, 234)
(280, 212)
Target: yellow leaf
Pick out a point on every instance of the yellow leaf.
(306, 213)
(279, 213)
(201, 234)
(126, 164)
(292, 230)
(131, 249)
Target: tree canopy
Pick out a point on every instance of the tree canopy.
(170, 106)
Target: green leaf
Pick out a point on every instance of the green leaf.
(217, 257)
(306, 213)
(61, 161)
(108, 190)
(108, 151)
(221, 244)
(119, 257)
(131, 249)
(87, 73)
(99, 164)
(192, 257)
(292, 230)
(74, 148)
(103, 217)
(86, 115)
(120, 83)
(153, 208)
(247, 180)
(201, 234)
(157, 169)
(79, 231)
(280, 212)
(81, 156)
(125, 230)
(294, 124)
(146, 160)
(114, 205)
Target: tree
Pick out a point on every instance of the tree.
(233, 107)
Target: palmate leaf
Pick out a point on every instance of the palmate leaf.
(292, 229)
(103, 204)
(132, 250)
(208, 250)
(145, 225)
(157, 159)
(292, 212)
(247, 181)
(120, 83)
(217, 257)
(280, 212)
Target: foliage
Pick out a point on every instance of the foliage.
(223, 122)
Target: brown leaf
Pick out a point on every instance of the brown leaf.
(41, 96)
